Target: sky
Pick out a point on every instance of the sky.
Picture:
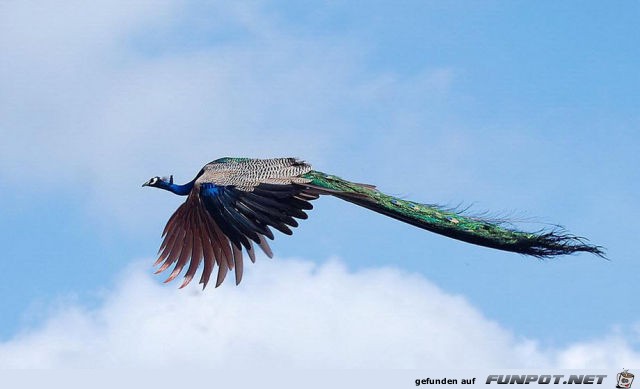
(524, 109)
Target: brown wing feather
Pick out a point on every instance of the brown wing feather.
(175, 247)
(208, 250)
(237, 258)
(186, 252)
(197, 253)
(192, 235)
(220, 246)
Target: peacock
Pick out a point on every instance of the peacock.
(234, 203)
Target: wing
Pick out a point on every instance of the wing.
(218, 222)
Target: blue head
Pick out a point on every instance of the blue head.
(167, 184)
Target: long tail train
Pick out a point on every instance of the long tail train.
(475, 230)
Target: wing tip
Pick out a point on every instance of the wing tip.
(186, 281)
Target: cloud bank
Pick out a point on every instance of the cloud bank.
(292, 314)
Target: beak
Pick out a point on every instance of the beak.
(146, 184)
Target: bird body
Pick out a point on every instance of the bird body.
(233, 203)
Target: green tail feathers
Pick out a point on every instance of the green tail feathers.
(480, 231)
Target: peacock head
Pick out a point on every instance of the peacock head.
(159, 182)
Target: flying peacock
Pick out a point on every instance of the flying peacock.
(233, 203)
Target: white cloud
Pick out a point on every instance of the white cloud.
(292, 313)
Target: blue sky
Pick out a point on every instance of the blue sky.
(527, 109)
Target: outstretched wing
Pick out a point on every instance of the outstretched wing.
(230, 208)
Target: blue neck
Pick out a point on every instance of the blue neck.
(180, 190)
